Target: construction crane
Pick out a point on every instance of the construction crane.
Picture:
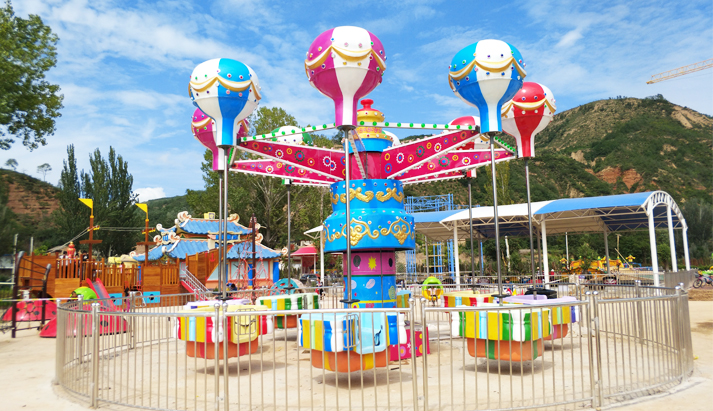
(701, 65)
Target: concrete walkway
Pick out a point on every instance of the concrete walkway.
(27, 369)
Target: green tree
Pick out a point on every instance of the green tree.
(44, 169)
(28, 103)
(11, 163)
(110, 185)
(72, 217)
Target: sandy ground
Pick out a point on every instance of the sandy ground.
(27, 366)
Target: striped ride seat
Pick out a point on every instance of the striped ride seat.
(202, 333)
(349, 342)
(289, 302)
(560, 316)
(512, 335)
(467, 298)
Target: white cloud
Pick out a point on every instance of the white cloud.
(570, 38)
(123, 66)
(149, 193)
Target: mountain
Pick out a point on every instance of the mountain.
(26, 206)
(606, 147)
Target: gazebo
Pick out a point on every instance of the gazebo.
(605, 214)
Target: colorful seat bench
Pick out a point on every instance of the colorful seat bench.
(347, 342)
(289, 302)
(467, 298)
(201, 333)
(510, 335)
(560, 316)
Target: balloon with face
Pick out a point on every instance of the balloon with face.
(204, 131)
(527, 114)
(487, 74)
(345, 64)
(228, 91)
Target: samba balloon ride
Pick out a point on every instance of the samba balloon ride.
(228, 91)
(369, 222)
(486, 74)
(523, 117)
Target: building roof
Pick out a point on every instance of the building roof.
(308, 250)
(574, 215)
(179, 249)
(244, 250)
(204, 226)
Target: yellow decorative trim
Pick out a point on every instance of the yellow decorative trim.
(366, 197)
(494, 67)
(236, 86)
(348, 55)
(360, 230)
(526, 106)
(400, 229)
(201, 123)
(390, 193)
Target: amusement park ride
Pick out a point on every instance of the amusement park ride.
(366, 178)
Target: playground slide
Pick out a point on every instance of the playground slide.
(108, 324)
(102, 294)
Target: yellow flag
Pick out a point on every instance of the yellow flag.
(144, 207)
(87, 202)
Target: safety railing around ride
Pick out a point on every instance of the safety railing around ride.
(609, 345)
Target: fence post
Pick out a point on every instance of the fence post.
(132, 319)
(59, 345)
(598, 356)
(425, 357)
(679, 332)
(15, 290)
(226, 337)
(216, 360)
(95, 356)
(639, 313)
(80, 332)
(412, 314)
(590, 348)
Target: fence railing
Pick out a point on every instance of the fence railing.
(621, 342)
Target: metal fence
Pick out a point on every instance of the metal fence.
(627, 342)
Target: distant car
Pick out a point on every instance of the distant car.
(308, 278)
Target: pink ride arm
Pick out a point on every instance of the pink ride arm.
(454, 161)
(399, 159)
(272, 168)
(323, 161)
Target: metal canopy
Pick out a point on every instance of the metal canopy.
(574, 215)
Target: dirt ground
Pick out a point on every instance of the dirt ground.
(27, 366)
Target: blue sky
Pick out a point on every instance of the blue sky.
(123, 66)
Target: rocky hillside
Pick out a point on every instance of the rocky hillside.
(608, 147)
(26, 207)
(27, 196)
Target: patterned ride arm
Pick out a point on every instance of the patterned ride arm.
(402, 158)
(440, 167)
(323, 161)
(278, 169)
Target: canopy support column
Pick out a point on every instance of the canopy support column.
(606, 250)
(456, 258)
(539, 253)
(545, 265)
(321, 257)
(686, 257)
(671, 241)
(652, 245)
